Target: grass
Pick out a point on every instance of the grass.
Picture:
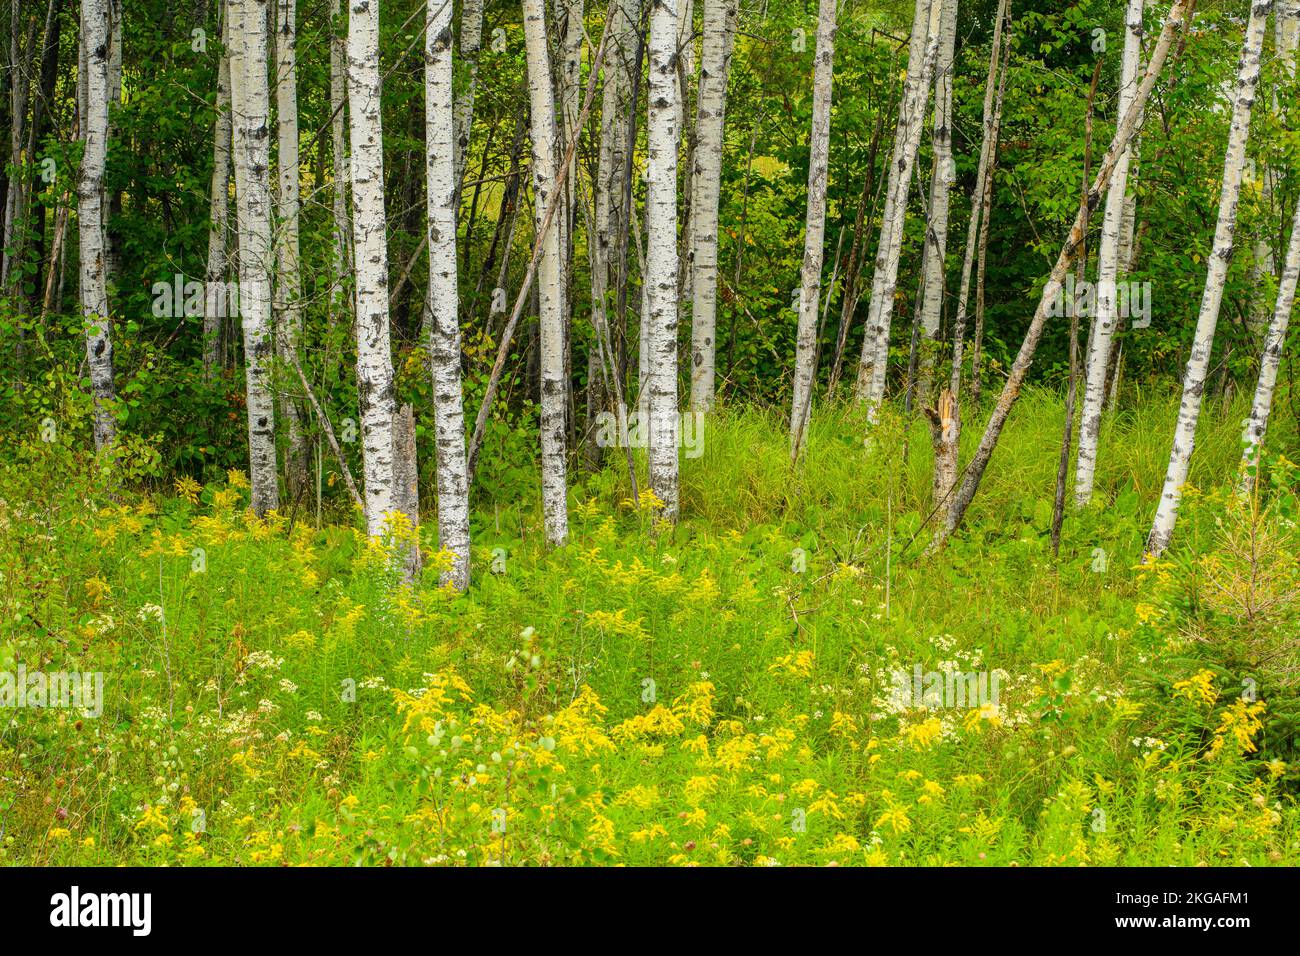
(717, 693)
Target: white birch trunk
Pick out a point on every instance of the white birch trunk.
(685, 50)
(661, 254)
(992, 106)
(406, 484)
(884, 281)
(90, 203)
(715, 67)
(471, 42)
(339, 154)
(250, 108)
(1175, 24)
(288, 285)
(608, 203)
(1286, 24)
(814, 227)
(444, 320)
(369, 240)
(550, 290)
(112, 199)
(1271, 360)
(686, 143)
(215, 305)
(1102, 337)
(570, 76)
(936, 231)
(1180, 456)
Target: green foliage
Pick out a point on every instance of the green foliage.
(721, 693)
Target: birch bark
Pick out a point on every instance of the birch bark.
(288, 285)
(994, 87)
(1175, 23)
(471, 42)
(90, 203)
(715, 67)
(814, 226)
(370, 244)
(218, 210)
(550, 290)
(884, 282)
(1271, 360)
(936, 231)
(661, 253)
(444, 324)
(1198, 364)
(1108, 273)
(339, 155)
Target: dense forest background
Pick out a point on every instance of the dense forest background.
(159, 175)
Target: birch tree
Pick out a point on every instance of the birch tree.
(113, 198)
(250, 108)
(218, 209)
(661, 254)
(90, 203)
(1198, 364)
(471, 43)
(608, 205)
(1175, 23)
(945, 172)
(994, 88)
(922, 53)
(1271, 360)
(370, 244)
(339, 154)
(805, 369)
(288, 284)
(1286, 33)
(719, 30)
(550, 289)
(1105, 319)
(444, 323)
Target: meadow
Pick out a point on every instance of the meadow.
(722, 692)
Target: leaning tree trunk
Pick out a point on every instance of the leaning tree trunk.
(661, 254)
(549, 277)
(1271, 360)
(974, 472)
(1102, 337)
(444, 325)
(1198, 364)
(715, 67)
(288, 285)
(814, 227)
(90, 203)
(370, 244)
(214, 306)
(936, 228)
(911, 114)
